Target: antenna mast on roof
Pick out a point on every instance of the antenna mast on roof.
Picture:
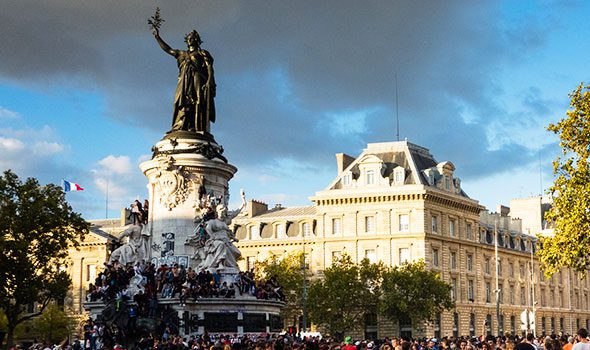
(540, 173)
(396, 107)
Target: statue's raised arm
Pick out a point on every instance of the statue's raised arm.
(155, 22)
(237, 212)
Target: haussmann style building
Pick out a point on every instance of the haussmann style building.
(396, 203)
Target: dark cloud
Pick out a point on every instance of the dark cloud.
(287, 69)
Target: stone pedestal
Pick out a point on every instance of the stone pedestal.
(240, 315)
(183, 165)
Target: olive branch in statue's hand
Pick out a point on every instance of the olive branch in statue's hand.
(156, 21)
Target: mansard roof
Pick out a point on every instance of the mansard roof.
(288, 212)
(417, 161)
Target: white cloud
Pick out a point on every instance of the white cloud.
(116, 191)
(8, 114)
(120, 177)
(47, 148)
(120, 165)
(11, 145)
(142, 158)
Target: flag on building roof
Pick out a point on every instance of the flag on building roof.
(70, 186)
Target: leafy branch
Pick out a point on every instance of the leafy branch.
(156, 20)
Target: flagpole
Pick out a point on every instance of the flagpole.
(106, 210)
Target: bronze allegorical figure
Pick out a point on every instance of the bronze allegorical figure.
(194, 106)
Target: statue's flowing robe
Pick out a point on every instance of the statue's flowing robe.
(194, 106)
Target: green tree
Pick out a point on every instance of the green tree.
(36, 229)
(53, 325)
(570, 212)
(346, 295)
(412, 292)
(289, 275)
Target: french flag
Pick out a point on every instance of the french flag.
(70, 186)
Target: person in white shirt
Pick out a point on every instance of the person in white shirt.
(582, 343)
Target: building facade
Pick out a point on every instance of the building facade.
(395, 203)
(86, 261)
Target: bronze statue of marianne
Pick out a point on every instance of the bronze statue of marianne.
(194, 106)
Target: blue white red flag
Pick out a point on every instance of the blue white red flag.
(70, 186)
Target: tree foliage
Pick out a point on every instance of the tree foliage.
(346, 295)
(289, 275)
(410, 291)
(570, 212)
(53, 325)
(36, 229)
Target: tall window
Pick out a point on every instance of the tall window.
(452, 228)
(434, 224)
(399, 176)
(486, 266)
(404, 223)
(511, 269)
(488, 292)
(435, 257)
(511, 297)
(561, 300)
(250, 261)
(90, 273)
(521, 271)
(500, 293)
(336, 255)
(454, 288)
(469, 262)
(371, 255)
(470, 290)
(254, 232)
(453, 260)
(499, 267)
(369, 224)
(469, 231)
(280, 230)
(306, 229)
(370, 177)
(404, 255)
(522, 296)
(336, 226)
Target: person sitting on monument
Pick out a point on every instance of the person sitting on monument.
(223, 290)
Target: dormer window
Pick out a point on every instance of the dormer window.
(399, 175)
(254, 232)
(346, 180)
(280, 228)
(306, 229)
(447, 183)
(371, 170)
(370, 177)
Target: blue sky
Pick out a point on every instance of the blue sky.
(85, 91)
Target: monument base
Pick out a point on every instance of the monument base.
(240, 315)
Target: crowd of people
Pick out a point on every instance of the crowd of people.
(168, 341)
(174, 281)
